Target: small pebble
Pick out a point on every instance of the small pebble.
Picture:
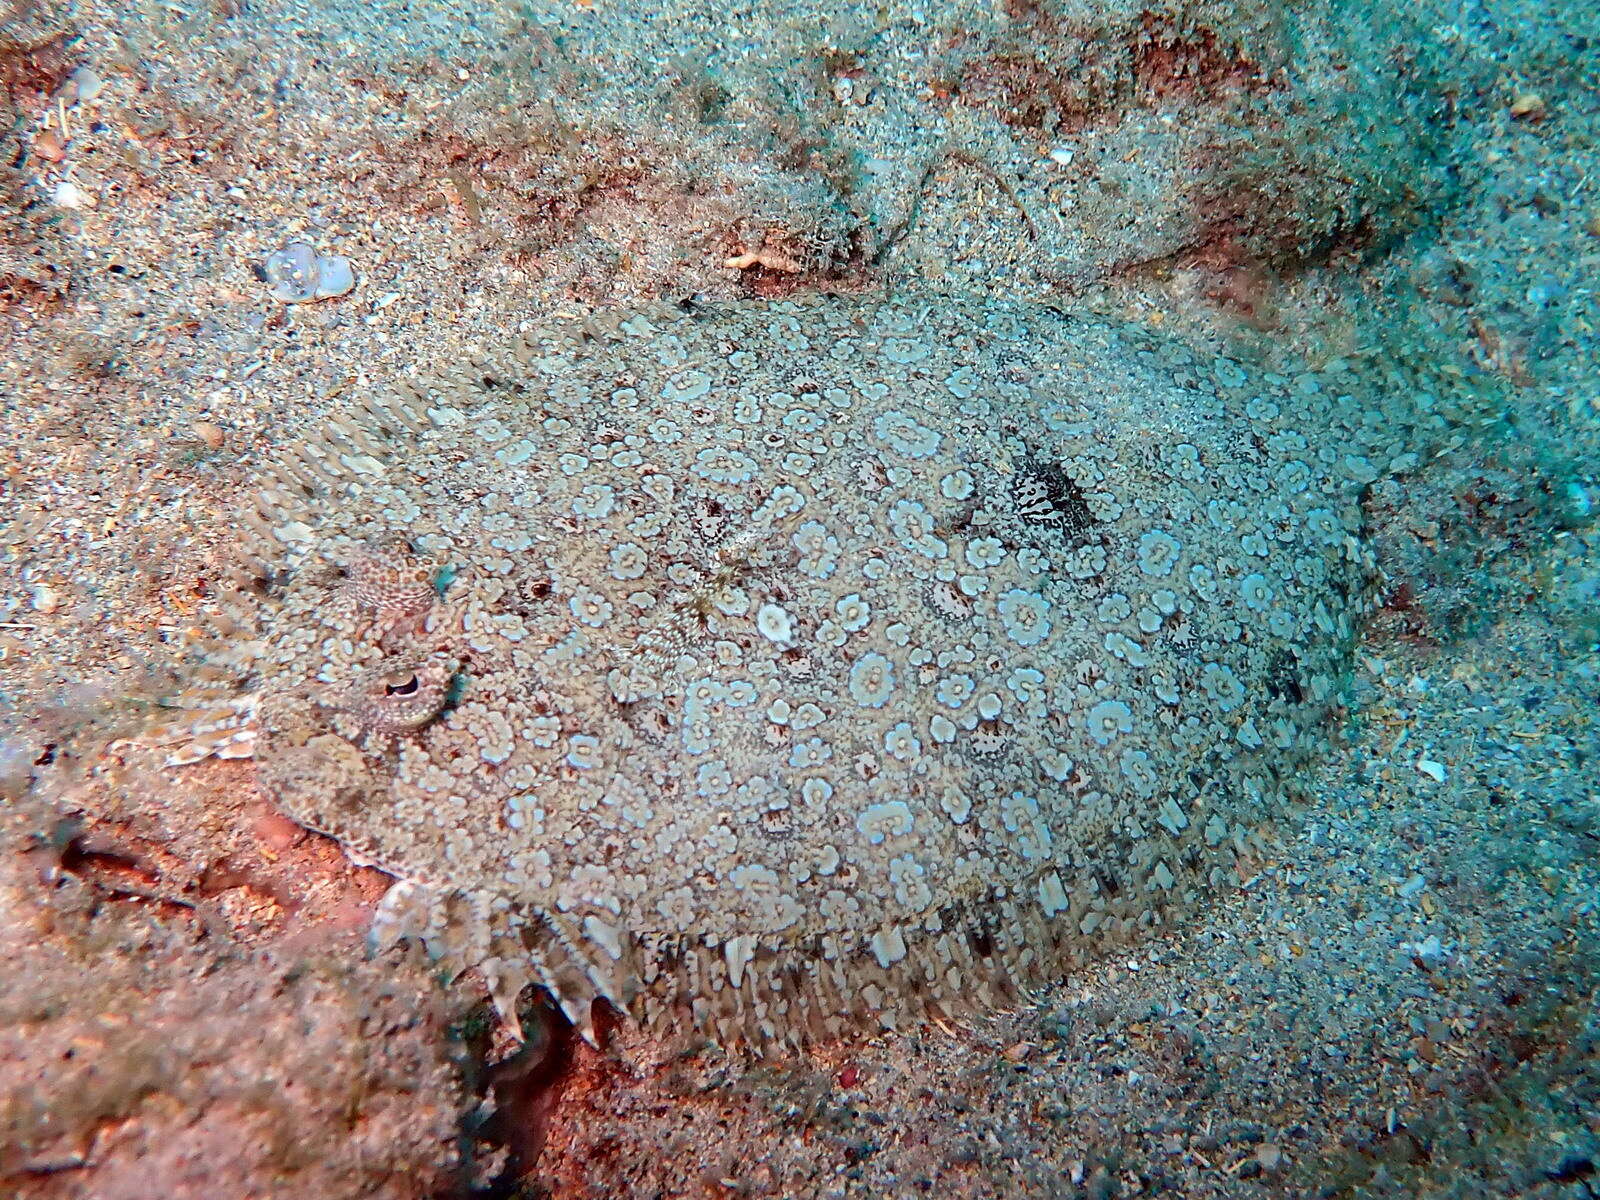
(209, 433)
(1429, 952)
(1057, 1025)
(83, 85)
(1433, 770)
(1577, 504)
(1021, 1052)
(1528, 107)
(276, 831)
(16, 767)
(48, 147)
(68, 195)
(1545, 292)
(43, 598)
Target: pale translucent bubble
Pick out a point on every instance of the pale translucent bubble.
(299, 275)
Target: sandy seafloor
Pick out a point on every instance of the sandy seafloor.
(1401, 1000)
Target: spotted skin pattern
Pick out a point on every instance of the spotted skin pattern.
(787, 670)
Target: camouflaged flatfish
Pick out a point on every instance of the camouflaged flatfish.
(788, 669)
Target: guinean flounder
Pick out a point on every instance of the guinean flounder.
(787, 669)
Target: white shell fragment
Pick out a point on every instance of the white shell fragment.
(299, 275)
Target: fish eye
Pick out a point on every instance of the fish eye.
(398, 686)
(398, 697)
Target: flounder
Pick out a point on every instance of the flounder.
(788, 669)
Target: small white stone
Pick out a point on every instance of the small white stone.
(83, 85)
(1429, 952)
(69, 195)
(44, 598)
(1433, 770)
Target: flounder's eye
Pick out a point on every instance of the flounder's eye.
(400, 698)
(396, 685)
